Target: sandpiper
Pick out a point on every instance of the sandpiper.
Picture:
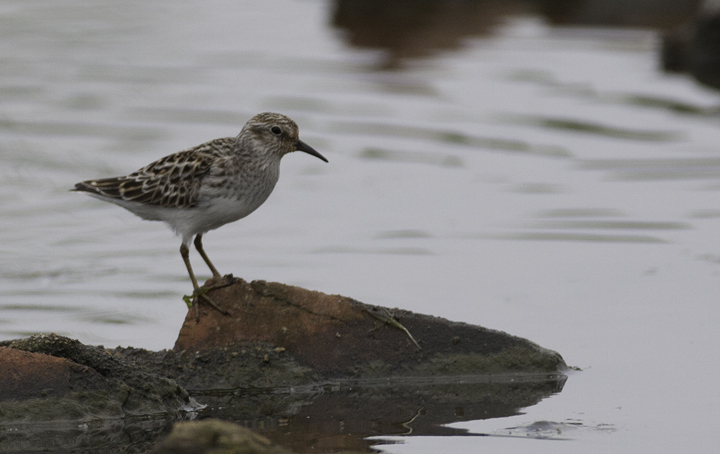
(207, 186)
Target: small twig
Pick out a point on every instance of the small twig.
(407, 424)
(387, 317)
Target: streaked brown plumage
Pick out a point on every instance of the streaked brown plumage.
(202, 188)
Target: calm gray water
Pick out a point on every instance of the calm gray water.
(550, 182)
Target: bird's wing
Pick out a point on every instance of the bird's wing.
(172, 181)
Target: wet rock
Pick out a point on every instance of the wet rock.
(321, 373)
(338, 337)
(307, 414)
(52, 377)
(313, 372)
(216, 437)
(231, 366)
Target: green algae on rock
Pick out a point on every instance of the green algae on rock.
(56, 378)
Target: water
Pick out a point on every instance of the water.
(546, 181)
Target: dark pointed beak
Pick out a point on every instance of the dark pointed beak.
(302, 146)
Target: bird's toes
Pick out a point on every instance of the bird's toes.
(219, 281)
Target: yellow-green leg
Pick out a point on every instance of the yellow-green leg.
(199, 247)
(198, 292)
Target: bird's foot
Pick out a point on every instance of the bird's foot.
(220, 281)
(193, 300)
(385, 316)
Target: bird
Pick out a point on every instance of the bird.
(205, 187)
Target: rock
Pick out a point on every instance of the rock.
(55, 378)
(338, 337)
(238, 365)
(313, 372)
(212, 436)
(34, 375)
(302, 412)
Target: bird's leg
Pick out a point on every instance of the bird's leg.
(199, 247)
(189, 300)
(217, 280)
(185, 253)
(197, 290)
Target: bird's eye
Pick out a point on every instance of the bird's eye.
(276, 130)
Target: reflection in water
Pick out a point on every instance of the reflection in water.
(694, 47)
(657, 169)
(330, 418)
(581, 237)
(614, 225)
(417, 28)
(411, 156)
(643, 101)
(670, 105)
(444, 136)
(131, 434)
(553, 430)
(632, 13)
(594, 226)
(342, 415)
(592, 128)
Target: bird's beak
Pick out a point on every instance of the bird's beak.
(302, 146)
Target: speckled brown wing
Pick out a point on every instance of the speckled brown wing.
(172, 181)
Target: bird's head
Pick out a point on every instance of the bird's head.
(276, 134)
